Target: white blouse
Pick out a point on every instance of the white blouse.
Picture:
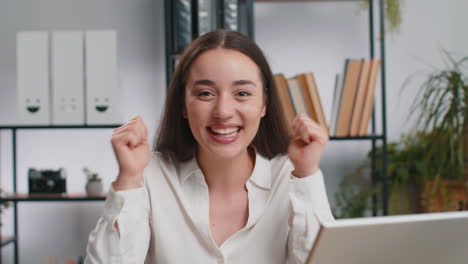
(167, 220)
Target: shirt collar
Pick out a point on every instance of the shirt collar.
(261, 174)
(188, 169)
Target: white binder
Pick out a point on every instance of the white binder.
(33, 80)
(102, 100)
(67, 78)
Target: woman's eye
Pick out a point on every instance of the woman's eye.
(243, 93)
(204, 94)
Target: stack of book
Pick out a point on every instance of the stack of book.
(353, 98)
(300, 95)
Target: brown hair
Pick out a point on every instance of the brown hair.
(175, 137)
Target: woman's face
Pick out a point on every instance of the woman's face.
(224, 102)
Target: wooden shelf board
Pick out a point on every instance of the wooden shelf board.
(367, 137)
(24, 197)
(57, 126)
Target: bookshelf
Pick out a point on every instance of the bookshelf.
(16, 198)
(246, 26)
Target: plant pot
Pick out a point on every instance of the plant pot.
(404, 199)
(443, 196)
(94, 188)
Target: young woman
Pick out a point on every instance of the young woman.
(225, 183)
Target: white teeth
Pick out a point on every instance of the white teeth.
(225, 131)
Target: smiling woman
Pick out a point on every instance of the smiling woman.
(243, 58)
(225, 178)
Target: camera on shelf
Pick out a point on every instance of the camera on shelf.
(47, 181)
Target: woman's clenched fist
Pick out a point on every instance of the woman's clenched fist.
(131, 148)
(307, 145)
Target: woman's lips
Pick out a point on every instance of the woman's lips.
(224, 135)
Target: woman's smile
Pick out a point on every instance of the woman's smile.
(224, 134)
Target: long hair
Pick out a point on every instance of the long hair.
(174, 137)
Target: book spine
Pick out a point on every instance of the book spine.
(183, 24)
(231, 15)
(349, 92)
(205, 16)
(359, 99)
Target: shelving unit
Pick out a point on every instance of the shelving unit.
(173, 51)
(7, 240)
(16, 198)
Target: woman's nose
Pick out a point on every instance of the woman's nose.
(224, 107)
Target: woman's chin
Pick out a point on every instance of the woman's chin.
(225, 152)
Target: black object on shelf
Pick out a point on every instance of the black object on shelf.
(47, 181)
(243, 13)
(186, 20)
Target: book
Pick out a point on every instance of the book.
(359, 99)
(369, 97)
(312, 98)
(285, 97)
(182, 22)
(231, 14)
(347, 99)
(337, 93)
(206, 15)
(297, 97)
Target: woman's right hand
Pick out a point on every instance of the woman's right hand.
(131, 148)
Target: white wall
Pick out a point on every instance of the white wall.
(296, 37)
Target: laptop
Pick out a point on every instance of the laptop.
(435, 238)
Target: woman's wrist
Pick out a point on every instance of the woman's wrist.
(304, 173)
(126, 182)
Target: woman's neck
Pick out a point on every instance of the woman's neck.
(226, 175)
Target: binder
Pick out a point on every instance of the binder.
(67, 78)
(102, 100)
(33, 80)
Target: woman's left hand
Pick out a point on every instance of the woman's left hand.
(307, 145)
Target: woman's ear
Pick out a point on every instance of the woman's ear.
(264, 110)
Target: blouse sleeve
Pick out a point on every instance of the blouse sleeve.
(308, 208)
(129, 244)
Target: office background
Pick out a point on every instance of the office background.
(296, 37)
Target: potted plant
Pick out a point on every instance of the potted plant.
(442, 111)
(405, 170)
(94, 183)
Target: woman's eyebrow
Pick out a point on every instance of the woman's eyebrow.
(243, 82)
(211, 83)
(204, 82)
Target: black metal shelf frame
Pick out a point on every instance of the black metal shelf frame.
(14, 129)
(171, 55)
